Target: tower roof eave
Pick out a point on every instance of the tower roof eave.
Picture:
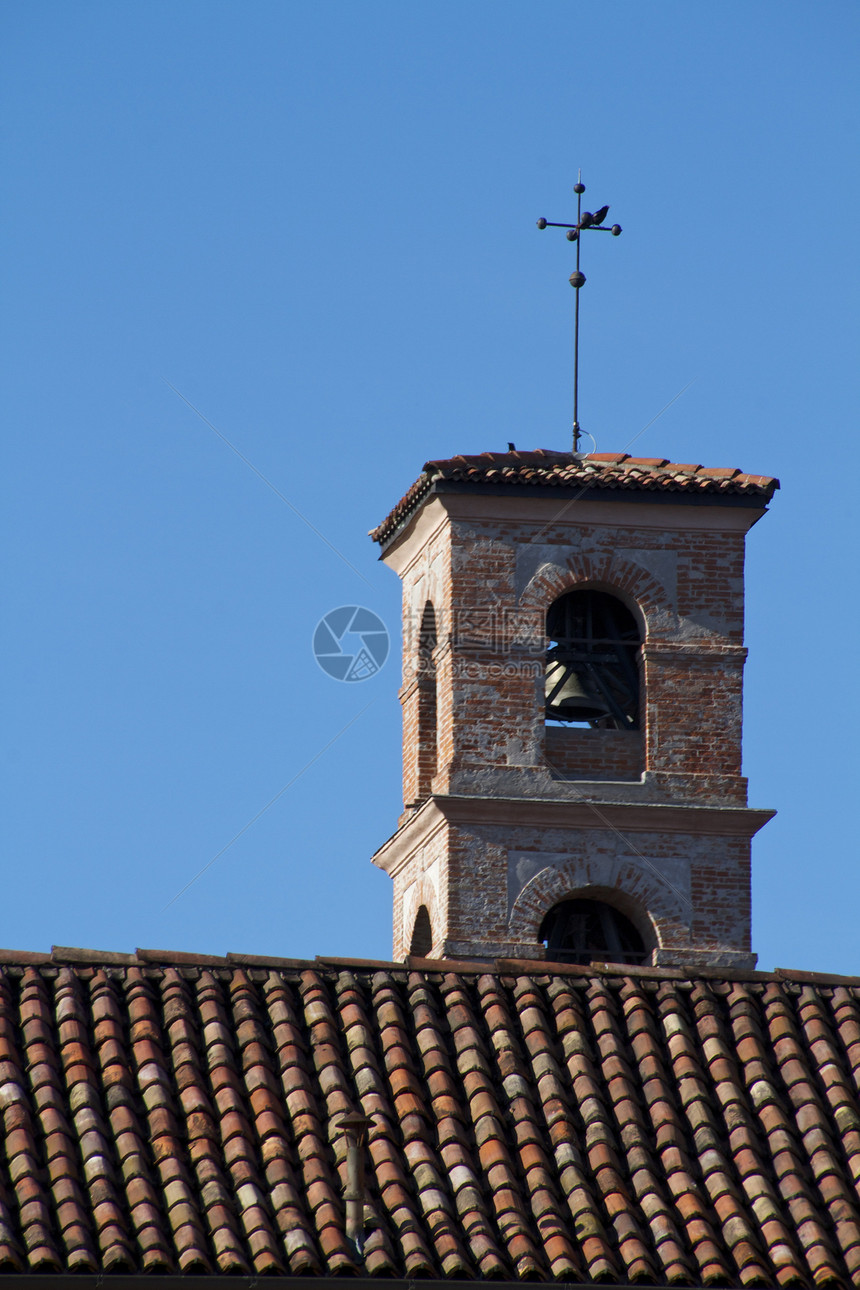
(605, 472)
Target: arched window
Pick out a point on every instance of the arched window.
(426, 701)
(592, 673)
(588, 931)
(422, 934)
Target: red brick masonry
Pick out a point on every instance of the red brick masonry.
(594, 754)
(170, 1113)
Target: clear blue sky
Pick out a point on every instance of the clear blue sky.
(317, 222)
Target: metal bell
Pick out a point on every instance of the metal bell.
(568, 698)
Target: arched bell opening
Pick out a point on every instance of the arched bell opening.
(582, 930)
(427, 741)
(592, 663)
(422, 934)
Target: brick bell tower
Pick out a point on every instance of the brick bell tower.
(572, 710)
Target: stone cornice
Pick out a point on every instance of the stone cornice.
(546, 508)
(416, 832)
(624, 817)
(647, 817)
(410, 543)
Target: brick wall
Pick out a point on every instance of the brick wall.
(574, 753)
(686, 591)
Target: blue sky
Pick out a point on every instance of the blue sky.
(317, 223)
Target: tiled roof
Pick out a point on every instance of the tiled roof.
(595, 471)
(170, 1113)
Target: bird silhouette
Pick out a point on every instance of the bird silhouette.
(511, 447)
(600, 216)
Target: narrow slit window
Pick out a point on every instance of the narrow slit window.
(422, 934)
(427, 739)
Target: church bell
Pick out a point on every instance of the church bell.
(568, 697)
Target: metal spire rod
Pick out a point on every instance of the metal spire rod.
(584, 220)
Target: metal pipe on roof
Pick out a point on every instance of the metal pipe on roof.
(355, 1129)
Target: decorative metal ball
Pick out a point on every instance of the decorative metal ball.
(571, 235)
(615, 230)
(542, 224)
(577, 279)
(579, 188)
(586, 219)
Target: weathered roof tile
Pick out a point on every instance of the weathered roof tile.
(583, 475)
(184, 1117)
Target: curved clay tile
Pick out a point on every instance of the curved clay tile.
(761, 1077)
(429, 1177)
(325, 1186)
(838, 1191)
(672, 1150)
(445, 1105)
(403, 1219)
(150, 1066)
(716, 1166)
(814, 1131)
(270, 1138)
(320, 1192)
(129, 1145)
(21, 1152)
(645, 1181)
(43, 1046)
(299, 1116)
(83, 1082)
(485, 1122)
(604, 1150)
(549, 1211)
(743, 1138)
(572, 1125)
(240, 1155)
(560, 1107)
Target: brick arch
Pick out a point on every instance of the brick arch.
(423, 894)
(644, 594)
(425, 594)
(429, 585)
(638, 890)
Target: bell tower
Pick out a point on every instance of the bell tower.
(572, 710)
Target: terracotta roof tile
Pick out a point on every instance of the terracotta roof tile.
(577, 475)
(183, 1117)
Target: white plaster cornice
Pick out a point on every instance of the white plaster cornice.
(644, 817)
(418, 830)
(535, 813)
(554, 509)
(571, 511)
(412, 542)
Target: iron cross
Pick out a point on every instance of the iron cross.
(584, 220)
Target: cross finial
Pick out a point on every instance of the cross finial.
(592, 222)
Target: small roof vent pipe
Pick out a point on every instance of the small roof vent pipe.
(355, 1129)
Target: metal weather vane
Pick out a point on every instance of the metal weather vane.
(584, 220)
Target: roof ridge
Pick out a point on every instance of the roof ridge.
(61, 955)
